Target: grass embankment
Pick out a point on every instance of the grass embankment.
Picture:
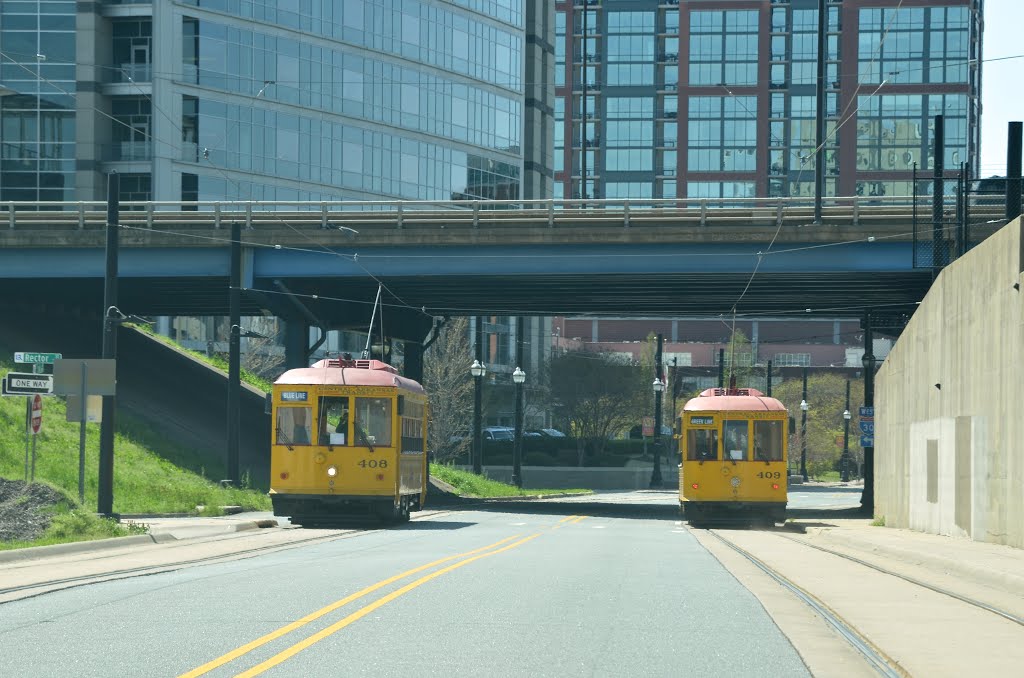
(68, 522)
(471, 485)
(217, 361)
(145, 481)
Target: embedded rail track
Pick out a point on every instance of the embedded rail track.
(876, 658)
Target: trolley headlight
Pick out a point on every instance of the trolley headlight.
(332, 471)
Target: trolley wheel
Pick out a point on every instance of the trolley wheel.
(403, 516)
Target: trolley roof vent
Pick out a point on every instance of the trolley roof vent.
(731, 392)
(356, 364)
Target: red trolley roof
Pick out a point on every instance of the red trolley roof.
(748, 399)
(339, 372)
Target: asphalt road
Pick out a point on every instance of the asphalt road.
(473, 593)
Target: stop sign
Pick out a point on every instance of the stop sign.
(37, 414)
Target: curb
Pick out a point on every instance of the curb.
(34, 552)
(74, 547)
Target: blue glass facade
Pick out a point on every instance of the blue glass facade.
(264, 99)
(37, 104)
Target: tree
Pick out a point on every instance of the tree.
(597, 394)
(450, 390)
(826, 397)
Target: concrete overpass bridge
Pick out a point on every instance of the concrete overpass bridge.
(323, 261)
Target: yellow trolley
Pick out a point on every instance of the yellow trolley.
(733, 448)
(348, 441)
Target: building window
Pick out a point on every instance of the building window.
(723, 47)
(722, 134)
(792, 360)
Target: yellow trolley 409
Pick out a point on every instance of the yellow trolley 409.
(349, 441)
(734, 467)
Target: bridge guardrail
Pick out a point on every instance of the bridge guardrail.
(852, 211)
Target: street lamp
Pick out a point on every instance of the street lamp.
(518, 378)
(803, 438)
(658, 386)
(478, 371)
(844, 465)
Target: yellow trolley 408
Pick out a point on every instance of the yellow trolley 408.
(734, 467)
(349, 441)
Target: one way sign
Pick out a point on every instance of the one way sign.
(20, 383)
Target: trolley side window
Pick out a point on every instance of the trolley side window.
(735, 436)
(373, 422)
(412, 428)
(333, 415)
(294, 426)
(767, 441)
(702, 444)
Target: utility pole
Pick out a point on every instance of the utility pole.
(819, 118)
(768, 380)
(867, 499)
(583, 106)
(478, 441)
(721, 368)
(938, 195)
(234, 349)
(105, 490)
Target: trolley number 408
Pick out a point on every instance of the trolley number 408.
(769, 475)
(373, 463)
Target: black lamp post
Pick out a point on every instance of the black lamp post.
(803, 437)
(478, 371)
(518, 377)
(658, 386)
(844, 467)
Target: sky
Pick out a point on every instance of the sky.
(1002, 82)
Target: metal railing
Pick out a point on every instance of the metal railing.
(855, 211)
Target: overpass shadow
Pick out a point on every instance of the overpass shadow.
(626, 510)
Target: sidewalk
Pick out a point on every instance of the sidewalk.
(990, 573)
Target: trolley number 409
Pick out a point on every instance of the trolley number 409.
(769, 475)
(373, 463)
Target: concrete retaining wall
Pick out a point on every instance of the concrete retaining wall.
(949, 432)
(573, 477)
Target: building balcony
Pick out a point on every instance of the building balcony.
(129, 151)
(132, 73)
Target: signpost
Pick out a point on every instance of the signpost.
(32, 385)
(36, 423)
(83, 378)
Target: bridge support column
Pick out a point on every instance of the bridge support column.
(296, 344)
(414, 361)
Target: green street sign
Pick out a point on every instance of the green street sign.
(30, 358)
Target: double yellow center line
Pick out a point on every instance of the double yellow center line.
(462, 559)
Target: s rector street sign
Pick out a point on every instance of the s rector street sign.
(35, 358)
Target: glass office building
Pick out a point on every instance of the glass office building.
(717, 98)
(274, 100)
